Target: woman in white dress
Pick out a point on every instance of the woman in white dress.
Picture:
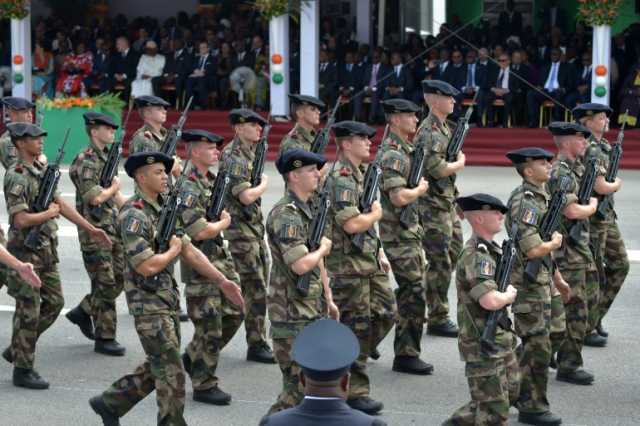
(150, 65)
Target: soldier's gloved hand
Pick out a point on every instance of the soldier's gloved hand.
(232, 292)
(325, 245)
(556, 240)
(100, 237)
(26, 272)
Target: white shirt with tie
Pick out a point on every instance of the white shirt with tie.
(503, 79)
(374, 76)
(552, 79)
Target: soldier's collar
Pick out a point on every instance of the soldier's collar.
(101, 152)
(158, 134)
(534, 188)
(156, 204)
(306, 133)
(564, 159)
(490, 245)
(435, 121)
(35, 168)
(304, 207)
(356, 171)
(405, 145)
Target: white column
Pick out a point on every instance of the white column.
(21, 45)
(439, 14)
(363, 21)
(279, 44)
(382, 6)
(309, 47)
(601, 54)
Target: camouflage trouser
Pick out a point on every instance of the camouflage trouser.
(36, 311)
(494, 385)
(3, 267)
(558, 324)
(292, 392)
(105, 270)
(251, 258)
(383, 308)
(613, 265)
(442, 245)
(532, 313)
(409, 269)
(162, 371)
(215, 322)
(577, 313)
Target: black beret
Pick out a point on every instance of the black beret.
(306, 100)
(296, 158)
(439, 87)
(199, 135)
(139, 159)
(394, 106)
(590, 109)
(147, 100)
(22, 130)
(563, 128)
(16, 103)
(523, 155)
(325, 350)
(481, 202)
(245, 115)
(93, 118)
(352, 128)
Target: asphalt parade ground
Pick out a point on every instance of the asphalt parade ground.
(66, 359)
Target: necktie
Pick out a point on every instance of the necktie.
(348, 67)
(202, 61)
(398, 71)
(504, 76)
(500, 79)
(469, 76)
(374, 75)
(552, 76)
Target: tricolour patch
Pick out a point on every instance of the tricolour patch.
(16, 189)
(134, 225)
(530, 216)
(486, 268)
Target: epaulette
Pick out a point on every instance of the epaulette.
(292, 205)
(193, 176)
(528, 193)
(138, 204)
(19, 168)
(393, 145)
(147, 134)
(345, 171)
(89, 151)
(483, 247)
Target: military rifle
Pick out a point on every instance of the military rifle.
(216, 201)
(261, 155)
(584, 194)
(417, 163)
(612, 172)
(321, 140)
(170, 144)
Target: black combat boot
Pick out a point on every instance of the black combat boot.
(8, 355)
(109, 418)
(374, 354)
(595, 340)
(28, 378)
(601, 331)
(446, 329)
(261, 353)
(411, 365)
(577, 377)
(186, 363)
(214, 396)
(365, 404)
(539, 419)
(109, 347)
(82, 320)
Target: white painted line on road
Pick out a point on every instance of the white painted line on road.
(73, 194)
(11, 308)
(634, 255)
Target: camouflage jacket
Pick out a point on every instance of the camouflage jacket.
(8, 152)
(246, 221)
(527, 206)
(475, 273)
(298, 137)
(21, 187)
(602, 150)
(85, 172)
(195, 195)
(137, 223)
(442, 190)
(287, 231)
(345, 185)
(396, 166)
(146, 139)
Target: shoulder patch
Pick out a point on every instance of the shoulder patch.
(138, 204)
(344, 195)
(134, 225)
(188, 200)
(393, 164)
(289, 231)
(486, 268)
(87, 173)
(530, 216)
(16, 189)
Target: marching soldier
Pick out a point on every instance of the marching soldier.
(527, 206)
(494, 380)
(214, 318)
(610, 253)
(291, 309)
(100, 207)
(305, 110)
(442, 232)
(574, 259)
(152, 297)
(402, 241)
(353, 264)
(36, 308)
(246, 232)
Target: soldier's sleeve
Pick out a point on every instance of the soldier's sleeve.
(436, 148)
(289, 143)
(142, 143)
(15, 192)
(8, 153)
(527, 216)
(136, 236)
(345, 199)
(191, 214)
(289, 234)
(239, 175)
(395, 170)
(87, 180)
(593, 150)
(479, 269)
(563, 172)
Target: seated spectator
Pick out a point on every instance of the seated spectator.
(177, 67)
(503, 85)
(443, 64)
(151, 65)
(123, 67)
(374, 88)
(455, 76)
(328, 79)
(43, 66)
(400, 83)
(522, 70)
(5, 70)
(582, 93)
(75, 68)
(226, 64)
(556, 83)
(630, 97)
(476, 80)
(201, 80)
(101, 64)
(140, 43)
(349, 83)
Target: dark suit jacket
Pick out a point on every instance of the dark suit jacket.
(455, 76)
(383, 70)
(514, 84)
(405, 79)
(481, 75)
(124, 65)
(578, 78)
(526, 73)
(351, 78)
(313, 412)
(565, 80)
(182, 65)
(329, 77)
(247, 60)
(209, 66)
(510, 25)
(101, 64)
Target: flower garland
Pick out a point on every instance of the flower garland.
(273, 8)
(109, 103)
(14, 9)
(598, 12)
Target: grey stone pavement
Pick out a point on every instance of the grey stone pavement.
(67, 360)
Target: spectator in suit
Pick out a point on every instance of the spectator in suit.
(328, 79)
(555, 82)
(201, 80)
(519, 90)
(349, 83)
(373, 88)
(582, 92)
(178, 66)
(426, 71)
(400, 82)
(123, 67)
(101, 65)
(324, 350)
(503, 86)
(225, 65)
(443, 64)
(242, 57)
(455, 73)
(510, 20)
(475, 78)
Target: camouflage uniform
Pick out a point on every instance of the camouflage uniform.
(146, 139)
(532, 307)
(575, 261)
(608, 247)
(246, 241)
(354, 269)
(36, 309)
(289, 311)
(494, 380)
(403, 247)
(298, 137)
(104, 266)
(215, 319)
(153, 302)
(8, 157)
(442, 239)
